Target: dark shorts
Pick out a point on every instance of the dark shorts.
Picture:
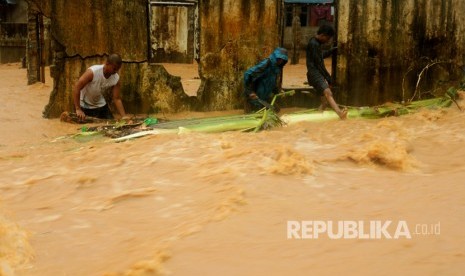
(100, 112)
(318, 82)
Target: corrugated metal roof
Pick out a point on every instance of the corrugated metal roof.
(308, 1)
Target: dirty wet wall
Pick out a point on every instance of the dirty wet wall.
(381, 41)
(172, 32)
(146, 88)
(95, 27)
(234, 36)
(85, 32)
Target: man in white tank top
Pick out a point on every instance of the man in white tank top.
(88, 93)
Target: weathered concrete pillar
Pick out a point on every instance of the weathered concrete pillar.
(381, 40)
(296, 36)
(32, 54)
(234, 36)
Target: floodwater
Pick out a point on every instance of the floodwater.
(219, 204)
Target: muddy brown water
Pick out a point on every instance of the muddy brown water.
(218, 204)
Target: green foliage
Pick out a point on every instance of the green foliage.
(150, 121)
(261, 120)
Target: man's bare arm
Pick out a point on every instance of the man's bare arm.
(117, 100)
(87, 77)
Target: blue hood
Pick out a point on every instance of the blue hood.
(279, 53)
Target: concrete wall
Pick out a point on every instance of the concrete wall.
(172, 33)
(13, 32)
(146, 88)
(381, 40)
(85, 32)
(306, 34)
(378, 42)
(97, 27)
(234, 36)
(13, 37)
(16, 13)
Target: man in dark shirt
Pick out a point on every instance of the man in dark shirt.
(317, 75)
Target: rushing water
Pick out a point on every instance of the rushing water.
(218, 204)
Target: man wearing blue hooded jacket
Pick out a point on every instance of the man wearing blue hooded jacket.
(263, 80)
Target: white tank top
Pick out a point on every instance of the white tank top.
(92, 94)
